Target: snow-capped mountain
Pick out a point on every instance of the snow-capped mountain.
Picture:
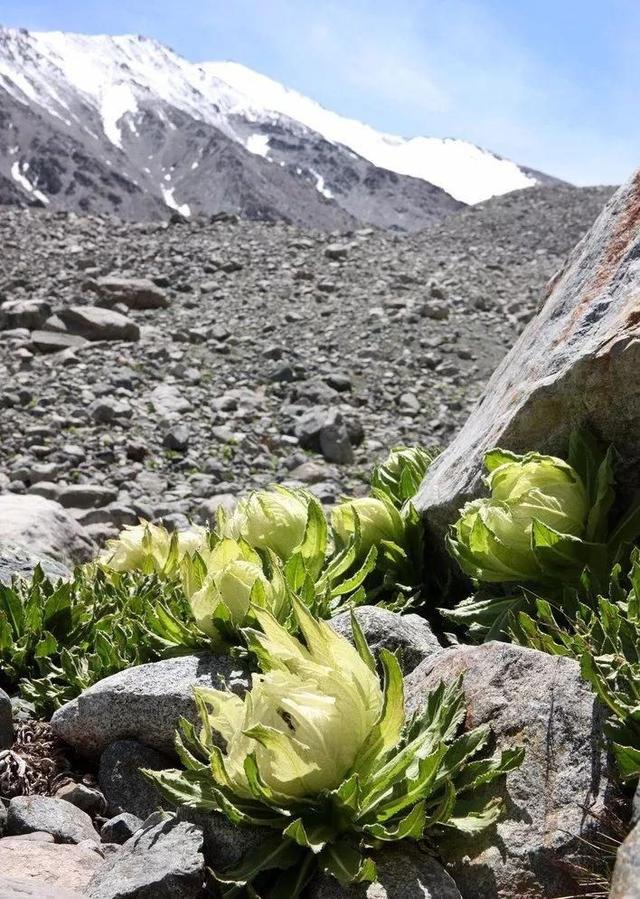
(125, 125)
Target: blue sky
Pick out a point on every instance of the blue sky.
(553, 84)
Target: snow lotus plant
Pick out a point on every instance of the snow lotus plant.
(273, 519)
(604, 636)
(546, 525)
(151, 548)
(402, 472)
(537, 503)
(225, 582)
(389, 538)
(320, 754)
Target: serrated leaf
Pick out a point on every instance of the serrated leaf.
(344, 862)
(271, 852)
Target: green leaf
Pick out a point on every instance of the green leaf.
(386, 732)
(309, 837)
(344, 862)
(412, 825)
(361, 644)
(602, 501)
(46, 647)
(412, 789)
(272, 852)
(628, 760)
(470, 819)
(488, 618)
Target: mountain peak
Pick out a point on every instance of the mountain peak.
(160, 122)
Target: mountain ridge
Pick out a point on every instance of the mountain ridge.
(102, 124)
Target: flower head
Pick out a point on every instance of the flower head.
(271, 519)
(306, 716)
(493, 540)
(377, 519)
(147, 547)
(235, 576)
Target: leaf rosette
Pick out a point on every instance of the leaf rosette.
(320, 752)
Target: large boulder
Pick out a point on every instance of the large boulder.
(163, 860)
(18, 560)
(408, 635)
(95, 323)
(44, 814)
(44, 527)
(625, 883)
(576, 363)
(136, 293)
(554, 799)
(45, 870)
(143, 703)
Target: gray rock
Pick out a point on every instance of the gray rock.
(325, 431)
(164, 861)
(64, 821)
(6, 722)
(86, 496)
(409, 634)
(124, 787)
(105, 409)
(225, 845)
(84, 797)
(136, 293)
(335, 442)
(572, 365)
(52, 342)
(3, 819)
(625, 883)
(120, 828)
(404, 872)
(168, 401)
(43, 471)
(30, 314)
(553, 801)
(43, 526)
(143, 703)
(17, 888)
(176, 439)
(48, 489)
(95, 323)
(434, 309)
(336, 251)
(40, 870)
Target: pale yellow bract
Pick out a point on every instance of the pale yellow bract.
(306, 718)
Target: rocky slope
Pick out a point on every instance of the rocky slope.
(98, 124)
(271, 353)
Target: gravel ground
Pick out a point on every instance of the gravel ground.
(281, 355)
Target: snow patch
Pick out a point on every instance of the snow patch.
(116, 101)
(18, 175)
(169, 199)
(320, 185)
(258, 144)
